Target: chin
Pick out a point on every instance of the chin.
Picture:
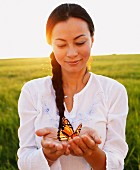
(74, 70)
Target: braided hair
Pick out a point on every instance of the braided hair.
(62, 13)
(58, 86)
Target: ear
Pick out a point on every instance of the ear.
(92, 40)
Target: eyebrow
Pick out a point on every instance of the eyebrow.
(74, 38)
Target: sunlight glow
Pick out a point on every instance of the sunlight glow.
(117, 25)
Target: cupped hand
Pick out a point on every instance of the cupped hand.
(52, 148)
(86, 143)
(92, 133)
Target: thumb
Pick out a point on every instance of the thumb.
(43, 132)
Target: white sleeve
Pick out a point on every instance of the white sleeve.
(30, 157)
(115, 146)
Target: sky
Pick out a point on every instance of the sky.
(23, 22)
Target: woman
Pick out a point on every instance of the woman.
(75, 119)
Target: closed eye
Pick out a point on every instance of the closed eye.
(61, 45)
(80, 43)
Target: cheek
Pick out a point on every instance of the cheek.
(59, 54)
(86, 51)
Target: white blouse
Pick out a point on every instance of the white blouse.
(102, 105)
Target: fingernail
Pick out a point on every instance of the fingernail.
(97, 139)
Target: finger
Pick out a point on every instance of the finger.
(92, 133)
(81, 144)
(43, 132)
(62, 148)
(77, 151)
(71, 152)
(58, 153)
(49, 147)
(59, 146)
(89, 142)
(95, 136)
(64, 144)
(52, 145)
(67, 151)
(97, 139)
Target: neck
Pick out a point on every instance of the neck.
(74, 82)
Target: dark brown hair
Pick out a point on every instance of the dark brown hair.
(62, 13)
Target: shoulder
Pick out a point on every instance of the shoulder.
(34, 92)
(112, 90)
(107, 84)
(38, 84)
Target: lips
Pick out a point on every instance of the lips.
(73, 62)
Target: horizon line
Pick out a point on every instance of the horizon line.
(21, 57)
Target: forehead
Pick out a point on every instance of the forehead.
(71, 27)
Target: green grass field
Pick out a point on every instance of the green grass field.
(15, 72)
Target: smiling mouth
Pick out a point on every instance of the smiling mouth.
(73, 62)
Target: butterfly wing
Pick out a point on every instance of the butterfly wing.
(62, 136)
(77, 131)
(66, 131)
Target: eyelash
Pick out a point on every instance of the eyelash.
(60, 46)
(79, 44)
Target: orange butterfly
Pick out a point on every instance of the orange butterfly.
(66, 132)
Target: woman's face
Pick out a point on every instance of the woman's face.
(72, 42)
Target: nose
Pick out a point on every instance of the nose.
(72, 52)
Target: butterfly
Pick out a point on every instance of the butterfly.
(66, 132)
